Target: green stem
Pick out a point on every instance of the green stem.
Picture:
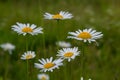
(30, 72)
(26, 43)
(27, 66)
(58, 29)
(44, 44)
(83, 60)
(58, 32)
(27, 70)
(6, 66)
(65, 71)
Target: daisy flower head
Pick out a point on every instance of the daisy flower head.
(28, 55)
(43, 76)
(26, 29)
(68, 53)
(63, 44)
(60, 16)
(48, 64)
(7, 47)
(89, 35)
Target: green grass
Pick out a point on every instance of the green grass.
(101, 62)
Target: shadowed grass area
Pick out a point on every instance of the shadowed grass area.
(101, 62)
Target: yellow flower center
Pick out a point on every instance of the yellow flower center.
(84, 35)
(57, 16)
(43, 78)
(27, 29)
(68, 54)
(49, 65)
(29, 56)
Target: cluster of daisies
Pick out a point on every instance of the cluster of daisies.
(66, 53)
(49, 64)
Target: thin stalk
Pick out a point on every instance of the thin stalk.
(83, 60)
(6, 66)
(58, 29)
(27, 66)
(26, 44)
(65, 71)
(58, 32)
(44, 43)
(30, 72)
(43, 38)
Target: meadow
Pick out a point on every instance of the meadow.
(100, 62)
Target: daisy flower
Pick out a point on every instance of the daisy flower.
(63, 44)
(48, 64)
(68, 53)
(7, 47)
(61, 15)
(81, 78)
(28, 55)
(26, 29)
(43, 76)
(86, 35)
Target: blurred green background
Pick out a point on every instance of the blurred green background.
(101, 62)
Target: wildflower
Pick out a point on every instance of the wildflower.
(81, 78)
(60, 16)
(48, 64)
(86, 35)
(27, 29)
(28, 55)
(8, 47)
(63, 44)
(43, 76)
(68, 53)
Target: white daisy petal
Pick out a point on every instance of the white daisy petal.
(26, 29)
(85, 35)
(61, 15)
(28, 55)
(48, 16)
(63, 44)
(48, 64)
(8, 47)
(43, 76)
(68, 53)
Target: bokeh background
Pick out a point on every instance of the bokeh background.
(101, 62)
